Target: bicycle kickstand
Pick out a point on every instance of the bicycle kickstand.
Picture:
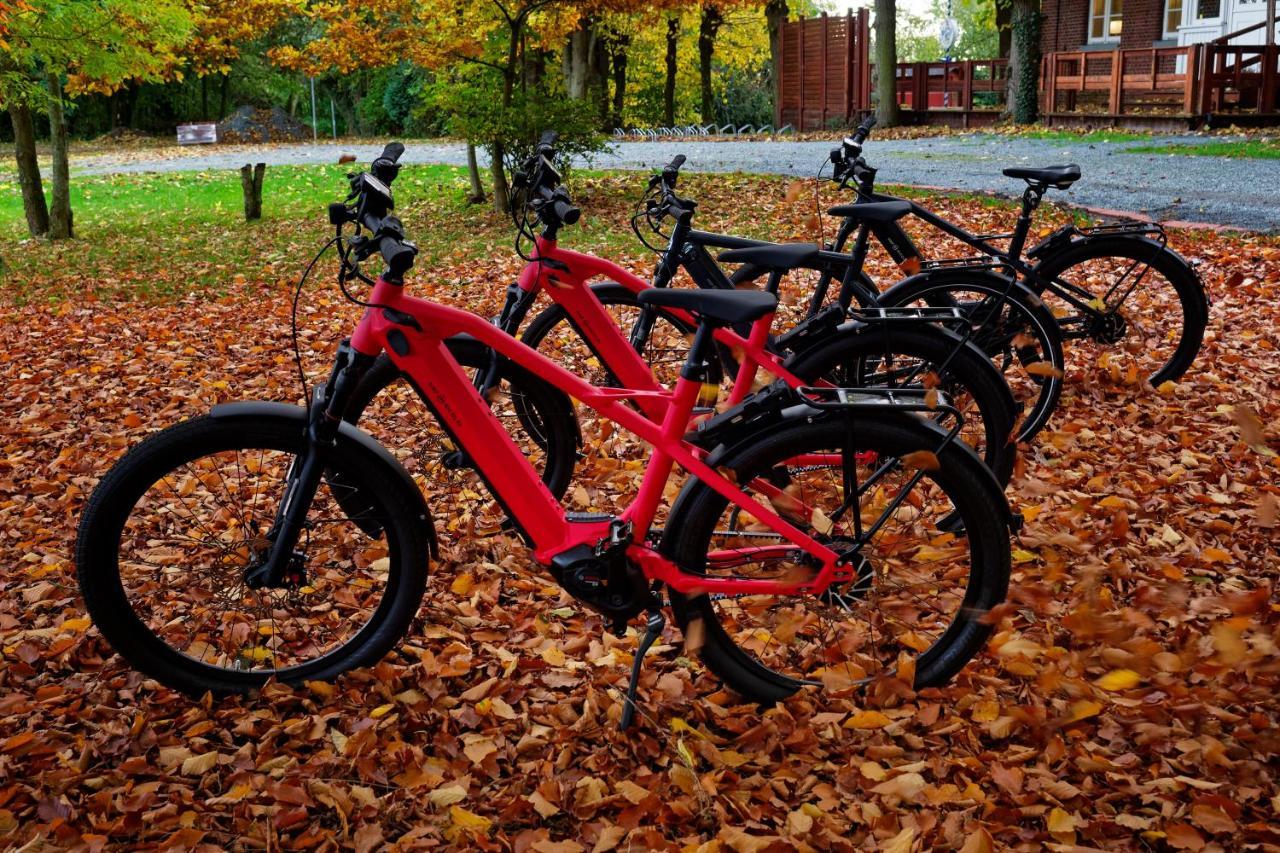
(653, 630)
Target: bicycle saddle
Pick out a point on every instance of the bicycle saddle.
(777, 256)
(876, 211)
(1058, 177)
(717, 307)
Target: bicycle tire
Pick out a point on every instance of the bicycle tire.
(396, 507)
(976, 496)
(1037, 394)
(967, 367)
(609, 293)
(1186, 283)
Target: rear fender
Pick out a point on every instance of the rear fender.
(360, 441)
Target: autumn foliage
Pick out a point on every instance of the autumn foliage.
(1127, 699)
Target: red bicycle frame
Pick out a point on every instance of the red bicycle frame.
(563, 274)
(412, 331)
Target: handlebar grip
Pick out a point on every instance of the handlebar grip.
(566, 213)
(548, 139)
(392, 152)
(398, 257)
(864, 129)
(676, 163)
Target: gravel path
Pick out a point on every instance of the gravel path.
(1241, 193)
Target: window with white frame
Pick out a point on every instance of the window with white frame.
(1208, 10)
(1105, 20)
(1172, 18)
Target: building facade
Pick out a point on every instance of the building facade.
(1110, 24)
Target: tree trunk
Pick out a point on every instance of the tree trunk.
(886, 63)
(619, 79)
(600, 58)
(775, 15)
(577, 60)
(669, 87)
(60, 226)
(533, 67)
(1003, 34)
(473, 171)
(707, 29)
(1024, 61)
(251, 183)
(222, 96)
(501, 192)
(24, 147)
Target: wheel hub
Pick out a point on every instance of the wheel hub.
(856, 589)
(1109, 328)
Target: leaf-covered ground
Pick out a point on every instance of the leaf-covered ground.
(1127, 699)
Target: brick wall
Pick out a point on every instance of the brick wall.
(1143, 23)
(1066, 24)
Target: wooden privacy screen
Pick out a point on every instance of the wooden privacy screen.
(826, 77)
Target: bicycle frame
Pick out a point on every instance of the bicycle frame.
(902, 249)
(563, 274)
(412, 331)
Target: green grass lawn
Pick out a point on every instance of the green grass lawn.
(1079, 136)
(1259, 149)
(159, 234)
(164, 235)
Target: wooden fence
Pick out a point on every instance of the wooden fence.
(963, 85)
(825, 63)
(827, 73)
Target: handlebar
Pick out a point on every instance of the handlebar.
(848, 157)
(371, 211)
(387, 166)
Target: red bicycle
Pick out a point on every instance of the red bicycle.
(265, 540)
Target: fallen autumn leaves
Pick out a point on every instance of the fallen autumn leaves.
(1128, 698)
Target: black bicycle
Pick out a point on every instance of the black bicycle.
(898, 348)
(1117, 286)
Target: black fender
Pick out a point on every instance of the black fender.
(1046, 256)
(365, 443)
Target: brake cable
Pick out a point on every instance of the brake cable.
(293, 318)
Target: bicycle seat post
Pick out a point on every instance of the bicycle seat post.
(1031, 198)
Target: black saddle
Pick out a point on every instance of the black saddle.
(775, 256)
(718, 307)
(1058, 177)
(875, 211)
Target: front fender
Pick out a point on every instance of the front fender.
(363, 443)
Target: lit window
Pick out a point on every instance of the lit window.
(1105, 20)
(1172, 18)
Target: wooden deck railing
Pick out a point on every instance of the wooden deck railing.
(1168, 81)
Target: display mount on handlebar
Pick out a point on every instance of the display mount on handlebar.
(369, 206)
(546, 198)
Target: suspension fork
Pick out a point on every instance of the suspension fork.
(514, 310)
(324, 417)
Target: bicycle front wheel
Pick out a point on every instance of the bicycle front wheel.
(919, 591)
(170, 532)
(1149, 307)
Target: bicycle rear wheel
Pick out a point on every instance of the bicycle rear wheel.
(919, 593)
(1156, 309)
